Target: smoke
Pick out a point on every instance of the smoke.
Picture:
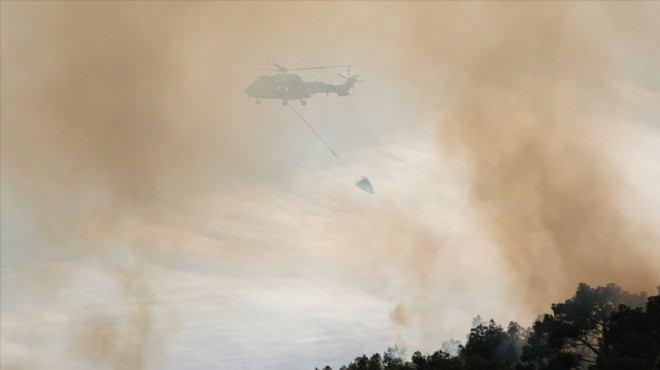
(107, 132)
(533, 102)
(115, 119)
(133, 339)
(116, 116)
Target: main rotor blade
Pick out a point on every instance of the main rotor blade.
(342, 76)
(320, 67)
(280, 68)
(262, 69)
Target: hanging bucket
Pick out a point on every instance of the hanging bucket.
(364, 184)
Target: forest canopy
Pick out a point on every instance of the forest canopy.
(601, 328)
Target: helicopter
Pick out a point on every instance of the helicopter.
(284, 86)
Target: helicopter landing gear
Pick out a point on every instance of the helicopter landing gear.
(303, 102)
(257, 101)
(285, 102)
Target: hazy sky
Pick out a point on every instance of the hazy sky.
(154, 217)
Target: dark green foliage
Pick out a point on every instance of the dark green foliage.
(632, 339)
(490, 344)
(360, 363)
(572, 336)
(391, 360)
(437, 361)
(602, 328)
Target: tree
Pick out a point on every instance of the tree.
(488, 344)
(631, 339)
(360, 363)
(437, 361)
(602, 328)
(572, 336)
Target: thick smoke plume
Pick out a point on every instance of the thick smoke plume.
(106, 129)
(535, 92)
(115, 115)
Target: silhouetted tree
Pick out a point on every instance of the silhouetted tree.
(572, 336)
(489, 344)
(602, 328)
(375, 362)
(631, 340)
(437, 361)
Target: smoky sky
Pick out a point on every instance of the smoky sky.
(116, 115)
(534, 84)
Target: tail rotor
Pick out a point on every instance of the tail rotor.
(350, 79)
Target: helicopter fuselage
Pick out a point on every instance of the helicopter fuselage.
(287, 87)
